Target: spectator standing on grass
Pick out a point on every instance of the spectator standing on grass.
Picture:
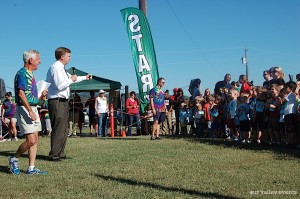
(198, 120)
(26, 95)
(261, 116)
(184, 119)
(132, 108)
(93, 123)
(76, 107)
(9, 109)
(59, 93)
(101, 107)
(157, 101)
(298, 118)
(242, 111)
(231, 115)
(179, 99)
(274, 115)
(149, 117)
(167, 125)
(44, 113)
(290, 113)
(207, 115)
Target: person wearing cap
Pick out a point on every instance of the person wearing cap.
(58, 96)
(101, 108)
(132, 108)
(175, 90)
(8, 116)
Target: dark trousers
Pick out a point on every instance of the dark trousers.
(177, 116)
(58, 113)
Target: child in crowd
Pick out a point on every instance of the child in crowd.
(245, 86)
(298, 118)
(44, 114)
(282, 95)
(252, 103)
(236, 85)
(150, 119)
(207, 115)
(198, 120)
(290, 112)
(216, 116)
(243, 110)
(184, 119)
(192, 110)
(233, 94)
(260, 115)
(273, 121)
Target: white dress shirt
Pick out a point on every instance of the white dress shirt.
(60, 81)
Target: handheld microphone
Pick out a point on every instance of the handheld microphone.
(73, 69)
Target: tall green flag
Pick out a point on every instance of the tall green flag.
(143, 52)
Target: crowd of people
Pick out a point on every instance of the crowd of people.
(237, 110)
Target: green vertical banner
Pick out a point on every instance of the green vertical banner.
(143, 52)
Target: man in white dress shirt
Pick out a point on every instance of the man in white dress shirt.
(58, 95)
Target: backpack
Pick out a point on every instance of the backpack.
(193, 84)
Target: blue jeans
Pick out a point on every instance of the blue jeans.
(102, 127)
(133, 118)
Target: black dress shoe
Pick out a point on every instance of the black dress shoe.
(55, 159)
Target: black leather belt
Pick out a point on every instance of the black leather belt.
(59, 99)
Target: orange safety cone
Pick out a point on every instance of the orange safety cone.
(123, 134)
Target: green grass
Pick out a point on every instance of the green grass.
(174, 167)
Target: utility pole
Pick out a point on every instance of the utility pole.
(143, 6)
(245, 61)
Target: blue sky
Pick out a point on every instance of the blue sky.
(192, 38)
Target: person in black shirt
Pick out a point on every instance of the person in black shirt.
(267, 77)
(278, 77)
(223, 85)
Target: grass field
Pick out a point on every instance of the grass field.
(137, 167)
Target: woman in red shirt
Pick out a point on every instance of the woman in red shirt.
(132, 108)
(245, 85)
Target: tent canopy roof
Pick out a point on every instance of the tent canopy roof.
(95, 84)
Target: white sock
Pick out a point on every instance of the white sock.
(30, 168)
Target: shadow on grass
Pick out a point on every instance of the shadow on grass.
(4, 169)
(164, 188)
(12, 153)
(282, 152)
(117, 137)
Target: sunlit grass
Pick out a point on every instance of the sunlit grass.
(138, 167)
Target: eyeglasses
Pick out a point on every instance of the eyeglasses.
(265, 74)
(163, 82)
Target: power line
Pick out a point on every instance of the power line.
(188, 35)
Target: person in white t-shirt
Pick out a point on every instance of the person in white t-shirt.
(289, 111)
(101, 108)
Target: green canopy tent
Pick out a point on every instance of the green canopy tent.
(95, 84)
